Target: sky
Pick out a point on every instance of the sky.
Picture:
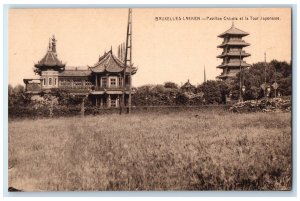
(163, 50)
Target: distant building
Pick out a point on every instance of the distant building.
(233, 52)
(188, 87)
(102, 82)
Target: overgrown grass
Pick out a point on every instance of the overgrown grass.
(176, 151)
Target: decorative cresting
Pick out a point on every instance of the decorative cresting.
(233, 52)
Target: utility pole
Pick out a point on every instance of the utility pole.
(265, 76)
(204, 74)
(127, 61)
(240, 98)
(275, 81)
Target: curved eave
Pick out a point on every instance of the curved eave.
(234, 55)
(222, 76)
(241, 44)
(133, 71)
(234, 65)
(49, 65)
(223, 35)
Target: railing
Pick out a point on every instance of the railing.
(233, 61)
(232, 40)
(75, 87)
(233, 52)
(92, 87)
(119, 88)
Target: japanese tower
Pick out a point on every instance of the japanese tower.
(233, 52)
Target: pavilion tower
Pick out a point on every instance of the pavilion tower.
(49, 67)
(233, 52)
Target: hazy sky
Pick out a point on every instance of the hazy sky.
(166, 50)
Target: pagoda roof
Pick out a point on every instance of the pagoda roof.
(234, 43)
(50, 60)
(75, 73)
(233, 31)
(110, 63)
(234, 53)
(234, 64)
(227, 75)
(187, 85)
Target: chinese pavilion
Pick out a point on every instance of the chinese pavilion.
(233, 52)
(102, 82)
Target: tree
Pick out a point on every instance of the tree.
(212, 91)
(171, 85)
(17, 95)
(254, 77)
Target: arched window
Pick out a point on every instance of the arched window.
(50, 81)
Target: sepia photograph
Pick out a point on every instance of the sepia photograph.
(150, 99)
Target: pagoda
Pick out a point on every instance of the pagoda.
(233, 52)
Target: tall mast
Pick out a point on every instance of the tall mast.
(204, 74)
(127, 60)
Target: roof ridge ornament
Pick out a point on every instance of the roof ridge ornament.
(50, 46)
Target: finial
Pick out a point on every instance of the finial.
(49, 45)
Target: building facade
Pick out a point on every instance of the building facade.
(233, 53)
(103, 82)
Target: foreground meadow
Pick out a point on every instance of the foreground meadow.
(175, 151)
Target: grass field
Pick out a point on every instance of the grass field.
(175, 151)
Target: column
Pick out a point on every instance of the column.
(96, 81)
(108, 101)
(107, 81)
(101, 102)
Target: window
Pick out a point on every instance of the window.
(113, 103)
(50, 81)
(113, 82)
(103, 82)
(77, 83)
(55, 81)
(120, 81)
(88, 84)
(44, 81)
